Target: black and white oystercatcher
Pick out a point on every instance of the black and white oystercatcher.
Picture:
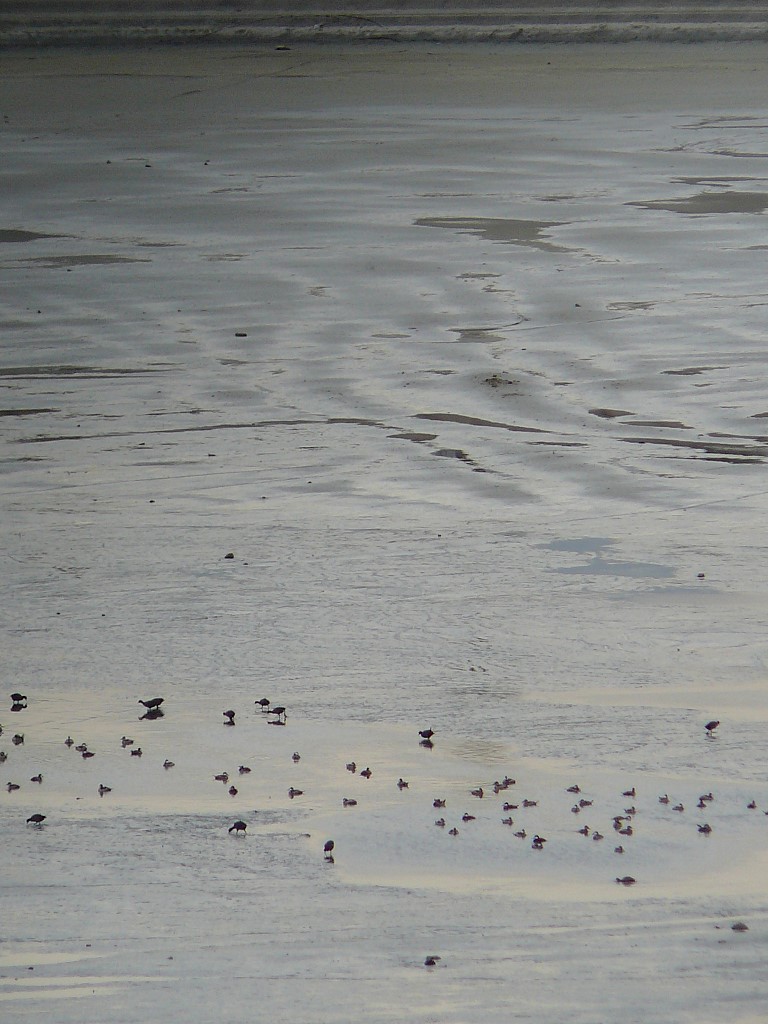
(36, 819)
(328, 849)
(238, 826)
(710, 727)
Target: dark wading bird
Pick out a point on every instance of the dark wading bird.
(426, 734)
(279, 710)
(36, 819)
(264, 702)
(230, 717)
(710, 727)
(238, 827)
(152, 703)
(328, 849)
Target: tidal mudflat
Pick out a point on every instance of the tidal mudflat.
(409, 388)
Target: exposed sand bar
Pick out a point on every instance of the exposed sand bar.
(110, 22)
(459, 352)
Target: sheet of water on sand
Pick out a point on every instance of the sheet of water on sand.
(410, 389)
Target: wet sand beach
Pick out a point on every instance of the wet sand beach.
(409, 387)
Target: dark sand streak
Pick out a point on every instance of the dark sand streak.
(750, 451)
(476, 421)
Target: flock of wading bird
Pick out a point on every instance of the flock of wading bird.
(622, 824)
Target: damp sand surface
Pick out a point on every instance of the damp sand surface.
(411, 388)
